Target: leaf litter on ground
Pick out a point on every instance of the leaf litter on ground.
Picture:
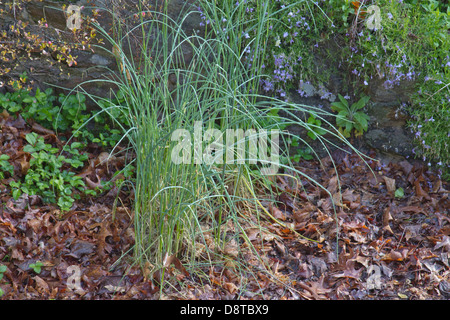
(389, 247)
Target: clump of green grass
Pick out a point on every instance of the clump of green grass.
(194, 210)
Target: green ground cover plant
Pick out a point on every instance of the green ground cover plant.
(52, 170)
(46, 176)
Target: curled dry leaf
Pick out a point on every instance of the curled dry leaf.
(231, 248)
(23, 160)
(168, 260)
(349, 270)
(230, 287)
(256, 234)
(42, 286)
(36, 127)
(444, 244)
(387, 217)
(414, 209)
(394, 255)
(277, 213)
(390, 185)
(333, 185)
(419, 191)
(351, 199)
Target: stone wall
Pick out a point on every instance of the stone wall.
(97, 63)
(387, 132)
(387, 108)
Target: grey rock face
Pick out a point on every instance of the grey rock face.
(46, 72)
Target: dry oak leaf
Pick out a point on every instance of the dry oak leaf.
(350, 271)
(419, 191)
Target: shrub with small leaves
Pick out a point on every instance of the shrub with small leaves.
(21, 40)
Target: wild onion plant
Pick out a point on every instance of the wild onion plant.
(184, 204)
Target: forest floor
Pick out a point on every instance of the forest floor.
(391, 245)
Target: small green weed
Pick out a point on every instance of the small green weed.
(37, 266)
(349, 118)
(5, 166)
(3, 269)
(314, 126)
(399, 193)
(305, 153)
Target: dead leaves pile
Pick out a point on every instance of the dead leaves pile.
(88, 238)
(388, 247)
(373, 246)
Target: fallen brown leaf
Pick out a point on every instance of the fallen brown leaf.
(41, 285)
(390, 185)
(387, 217)
(419, 191)
(231, 248)
(277, 213)
(393, 256)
